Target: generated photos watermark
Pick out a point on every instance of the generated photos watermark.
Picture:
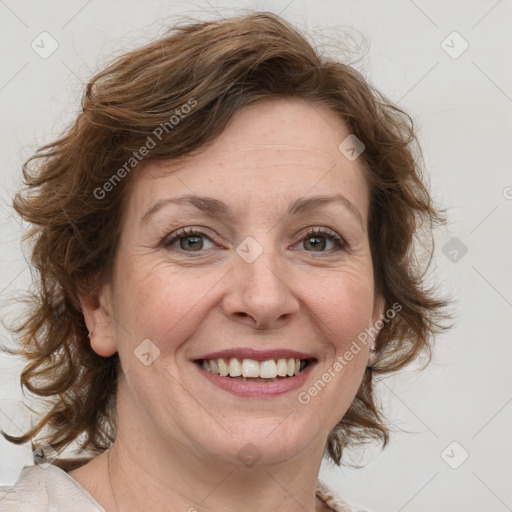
(151, 142)
(342, 361)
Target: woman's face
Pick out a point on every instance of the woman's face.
(261, 270)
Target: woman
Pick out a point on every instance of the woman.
(224, 245)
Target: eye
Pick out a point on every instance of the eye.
(190, 240)
(314, 240)
(317, 239)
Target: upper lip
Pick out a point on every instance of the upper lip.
(257, 355)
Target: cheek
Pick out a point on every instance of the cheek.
(162, 304)
(344, 307)
(344, 311)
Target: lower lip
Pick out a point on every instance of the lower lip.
(257, 389)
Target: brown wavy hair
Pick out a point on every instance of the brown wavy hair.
(222, 67)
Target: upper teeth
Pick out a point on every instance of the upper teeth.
(251, 368)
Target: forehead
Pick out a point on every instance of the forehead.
(276, 150)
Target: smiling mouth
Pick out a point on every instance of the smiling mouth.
(250, 370)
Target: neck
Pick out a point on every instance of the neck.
(147, 470)
(142, 481)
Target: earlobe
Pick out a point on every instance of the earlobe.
(100, 323)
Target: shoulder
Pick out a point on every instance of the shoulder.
(335, 502)
(43, 489)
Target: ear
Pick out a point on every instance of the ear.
(379, 306)
(377, 324)
(100, 322)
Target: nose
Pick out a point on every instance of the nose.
(260, 293)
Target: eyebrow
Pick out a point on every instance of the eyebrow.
(217, 208)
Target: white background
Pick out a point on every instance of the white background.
(462, 107)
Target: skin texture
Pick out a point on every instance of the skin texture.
(178, 435)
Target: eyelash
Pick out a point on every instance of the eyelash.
(184, 233)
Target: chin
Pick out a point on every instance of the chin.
(263, 441)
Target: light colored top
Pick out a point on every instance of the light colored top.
(51, 489)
